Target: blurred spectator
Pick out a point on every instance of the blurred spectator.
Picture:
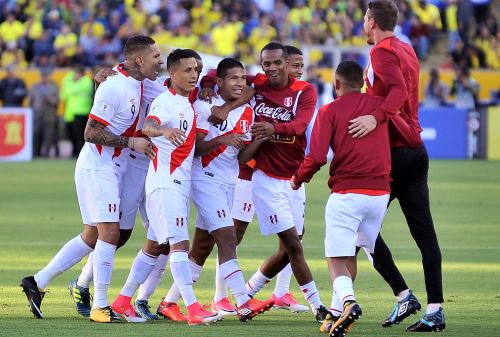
(44, 100)
(262, 34)
(452, 23)
(13, 55)
(224, 37)
(65, 45)
(43, 50)
(465, 90)
(488, 44)
(436, 93)
(481, 11)
(464, 19)
(315, 79)
(12, 89)
(11, 30)
(77, 93)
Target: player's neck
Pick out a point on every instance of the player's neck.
(347, 91)
(380, 35)
(179, 90)
(225, 96)
(133, 71)
(282, 85)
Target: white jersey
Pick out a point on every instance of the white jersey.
(116, 105)
(151, 90)
(172, 164)
(221, 164)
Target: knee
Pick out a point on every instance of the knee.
(294, 248)
(153, 248)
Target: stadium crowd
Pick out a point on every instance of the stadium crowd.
(92, 33)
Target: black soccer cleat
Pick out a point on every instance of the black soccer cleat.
(352, 312)
(322, 313)
(33, 294)
(429, 323)
(402, 309)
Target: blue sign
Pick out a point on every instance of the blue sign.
(445, 132)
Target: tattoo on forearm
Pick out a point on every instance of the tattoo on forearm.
(152, 129)
(95, 133)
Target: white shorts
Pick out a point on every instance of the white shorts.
(353, 220)
(98, 193)
(132, 195)
(213, 202)
(243, 207)
(168, 212)
(278, 207)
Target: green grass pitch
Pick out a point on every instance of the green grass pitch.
(39, 213)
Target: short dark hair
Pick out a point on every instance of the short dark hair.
(196, 56)
(137, 43)
(351, 73)
(274, 46)
(385, 13)
(175, 57)
(292, 50)
(226, 64)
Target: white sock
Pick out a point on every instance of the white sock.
(69, 255)
(432, 307)
(181, 273)
(336, 306)
(256, 283)
(343, 287)
(220, 283)
(174, 295)
(311, 294)
(104, 259)
(234, 278)
(403, 294)
(149, 286)
(283, 281)
(87, 275)
(141, 268)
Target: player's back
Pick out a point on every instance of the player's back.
(172, 164)
(356, 160)
(116, 105)
(221, 163)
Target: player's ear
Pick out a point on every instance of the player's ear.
(219, 81)
(139, 60)
(337, 84)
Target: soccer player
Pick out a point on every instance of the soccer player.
(359, 181)
(133, 200)
(393, 72)
(215, 173)
(98, 175)
(171, 124)
(283, 107)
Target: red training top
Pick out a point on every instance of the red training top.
(358, 163)
(393, 73)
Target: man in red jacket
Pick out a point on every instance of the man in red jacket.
(393, 72)
(359, 181)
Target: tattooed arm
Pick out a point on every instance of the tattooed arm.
(96, 134)
(152, 128)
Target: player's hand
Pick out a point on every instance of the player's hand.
(142, 145)
(207, 94)
(175, 136)
(234, 140)
(362, 125)
(293, 185)
(219, 114)
(103, 74)
(262, 130)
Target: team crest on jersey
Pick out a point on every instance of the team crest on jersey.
(244, 126)
(288, 102)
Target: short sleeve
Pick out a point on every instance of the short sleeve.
(202, 111)
(106, 104)
(159, 111)
(248, 117)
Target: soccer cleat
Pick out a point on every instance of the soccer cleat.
(171, 311)
(142, 308)
(327, 324)
(127, 311)
(402, 309)
(81, 296)
(352, 312)
(252, 308)
(198, 315)
(321, 314)
(104, 315)
(288, 302)
(33, 294)
(224, 307)
(430, 322)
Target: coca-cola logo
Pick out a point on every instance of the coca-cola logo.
(278, 113)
